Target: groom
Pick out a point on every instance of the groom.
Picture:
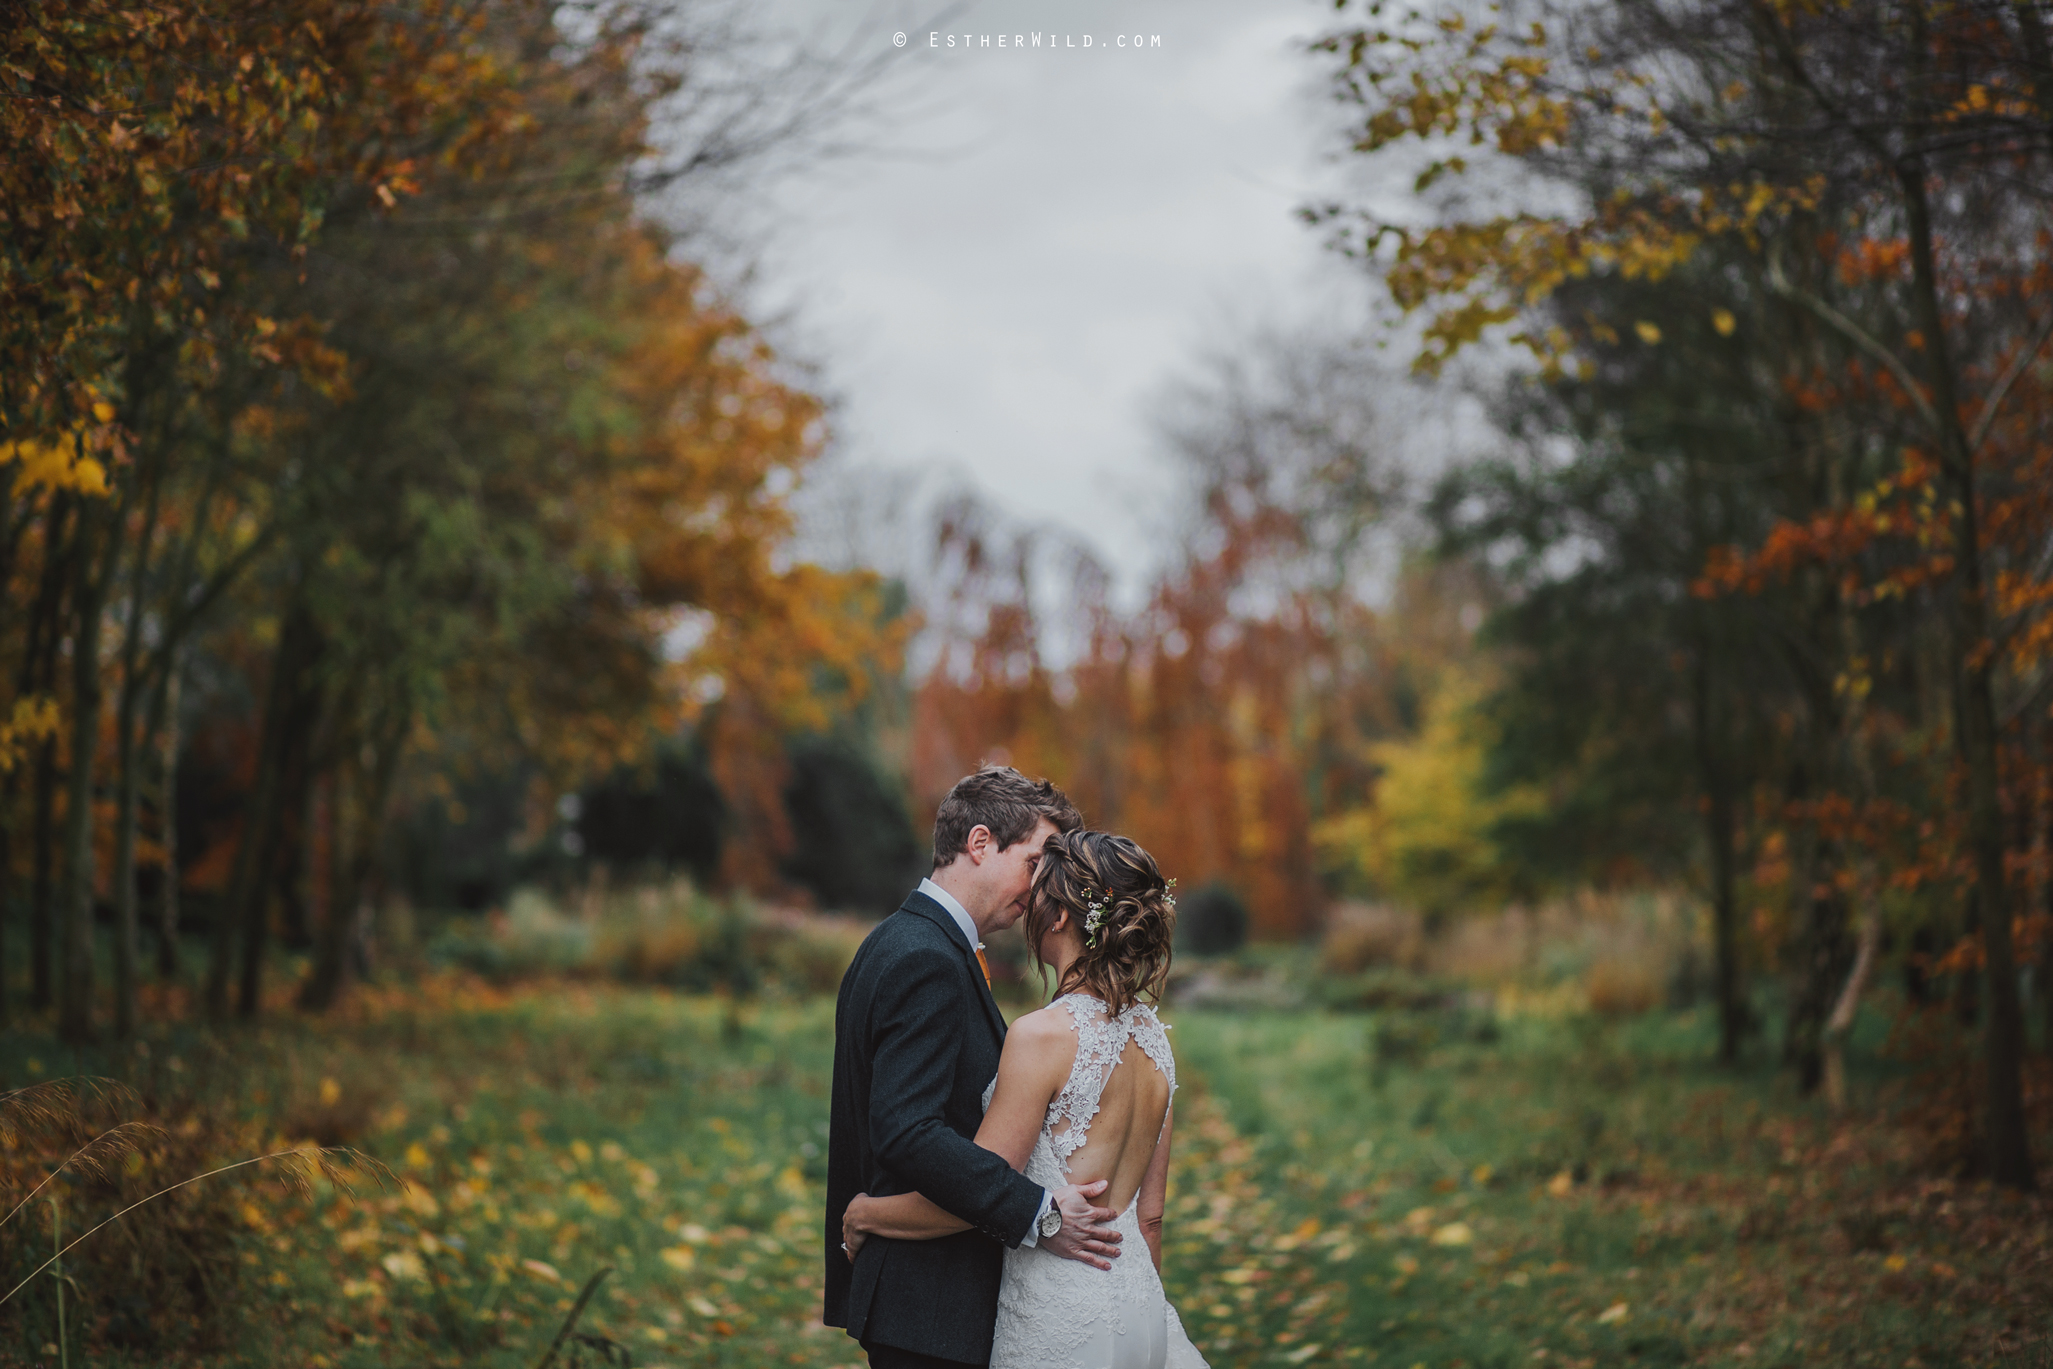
(916, 1040)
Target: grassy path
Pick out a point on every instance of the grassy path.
(1431, 1190)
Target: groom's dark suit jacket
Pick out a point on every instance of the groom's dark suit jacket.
(916, 1039)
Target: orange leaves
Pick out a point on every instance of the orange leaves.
(1903, 506)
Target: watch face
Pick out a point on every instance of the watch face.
(1051, 1222)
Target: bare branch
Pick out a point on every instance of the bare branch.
(1860, 337)
(2016, 369)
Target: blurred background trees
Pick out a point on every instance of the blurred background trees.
(400, 517)
(372, 448)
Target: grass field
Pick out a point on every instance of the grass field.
(1450, 1187)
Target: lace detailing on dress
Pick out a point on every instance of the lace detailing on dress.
(1059, 1314)
(1100, 1043)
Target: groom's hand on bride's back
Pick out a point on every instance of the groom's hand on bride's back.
(1086, 1235)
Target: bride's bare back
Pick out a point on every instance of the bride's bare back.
(1103, 1113)
(1120, 1141)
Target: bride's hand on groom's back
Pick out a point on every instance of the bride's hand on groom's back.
(1086, 1235)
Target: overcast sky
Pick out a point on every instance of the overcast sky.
(1046, 236)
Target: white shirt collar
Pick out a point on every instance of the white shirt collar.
(955, 910)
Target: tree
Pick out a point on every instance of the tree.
(1917, 134)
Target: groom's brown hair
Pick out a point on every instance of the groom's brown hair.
(1006, 802)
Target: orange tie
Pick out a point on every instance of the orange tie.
(985, 966)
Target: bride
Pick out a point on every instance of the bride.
(1082, 1097)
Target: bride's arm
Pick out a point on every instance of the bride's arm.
(1036, 1060)
(1155, 1191)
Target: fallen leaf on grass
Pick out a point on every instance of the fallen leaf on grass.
(1614, 1313)
(1454, 1233)
(404, 1264)
(542, 1270)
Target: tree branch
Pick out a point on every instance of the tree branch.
(1859, 336)
(2011, 374)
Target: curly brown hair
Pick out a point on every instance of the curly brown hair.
(1003, 801)
(1126, 956)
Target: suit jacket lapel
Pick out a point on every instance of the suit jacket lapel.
(925, 907)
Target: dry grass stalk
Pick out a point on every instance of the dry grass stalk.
(61, 1104)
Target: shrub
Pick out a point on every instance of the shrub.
(1212, 921)
(668, 933)
(1361, 936)
(857, 850)
(1622, 987)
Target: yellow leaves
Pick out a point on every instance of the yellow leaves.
(679, 1257)
(542, 1270)
(1453, 1234)
(1723, 321)
(1649, 333)
(32, 719)
(59, 465)
(1291, 1240)
(1612, 1315)
(330, 1093)
(1425, 837)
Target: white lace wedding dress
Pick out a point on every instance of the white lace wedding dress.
(1055, 1313)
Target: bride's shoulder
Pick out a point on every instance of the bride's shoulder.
(1044, 1025)
(1040, 1043)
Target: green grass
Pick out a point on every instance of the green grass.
(1452, 1189)
(1434, 1188)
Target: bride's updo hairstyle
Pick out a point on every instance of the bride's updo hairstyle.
(1116, 897)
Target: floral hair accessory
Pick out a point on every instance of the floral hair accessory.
(1167, 896)
(1094, 915)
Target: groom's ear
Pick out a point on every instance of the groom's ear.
(979, 843)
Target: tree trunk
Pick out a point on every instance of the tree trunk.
(1841, 1022)
(167, 808)
(354, 829)
(245, 881)
(1976, 730)
(1720, 832)
(129, 750)
(75, 977)
(288, 834)
(43, 873)
(243, 921)
(39, 676)
(6, 890)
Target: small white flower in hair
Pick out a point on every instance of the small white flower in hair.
(1094, 915)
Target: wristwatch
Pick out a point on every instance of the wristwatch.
(1051, 1221)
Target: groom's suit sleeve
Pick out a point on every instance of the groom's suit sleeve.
(917, 1031)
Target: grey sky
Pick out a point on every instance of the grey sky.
(1049, 235)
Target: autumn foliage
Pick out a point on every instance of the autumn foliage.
(353, 410)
